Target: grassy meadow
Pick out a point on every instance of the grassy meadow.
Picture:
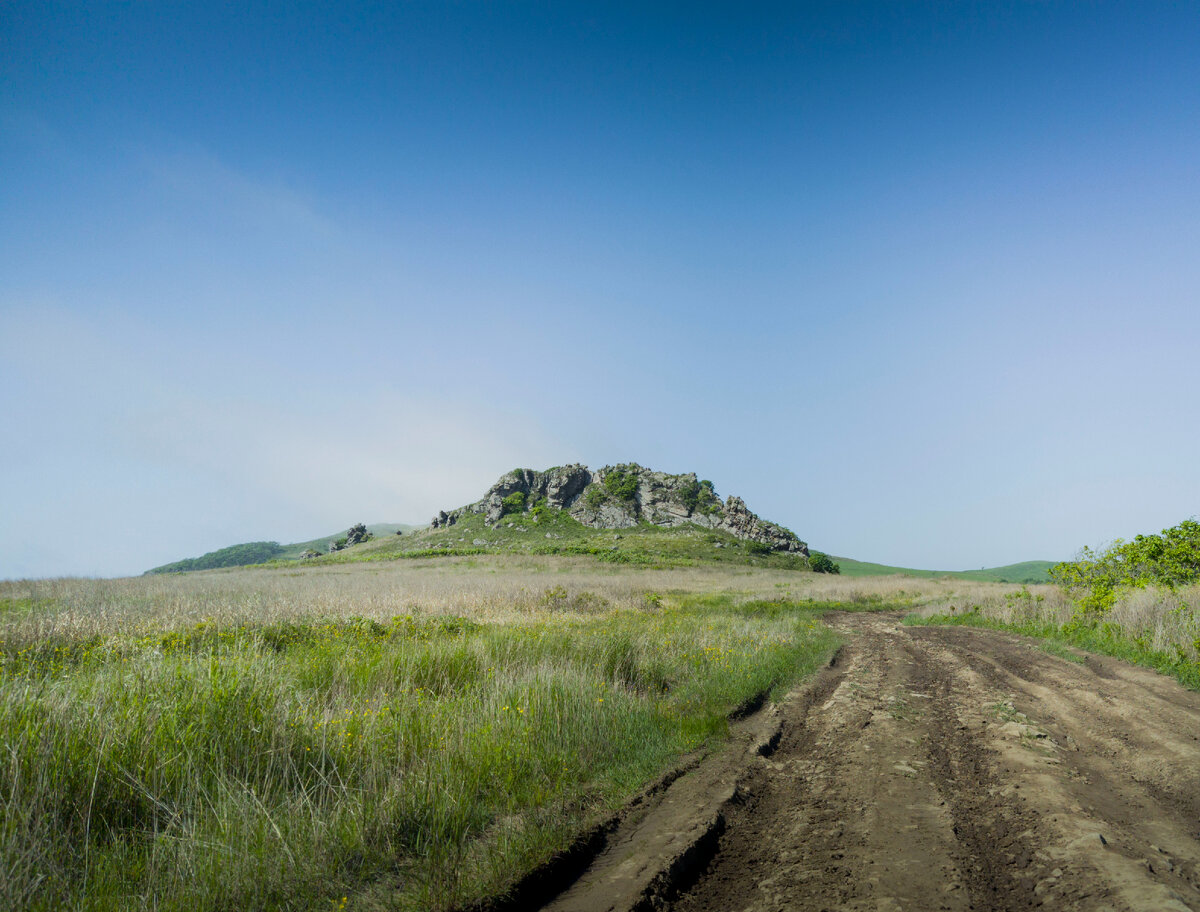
(409, 734)
(406, 736)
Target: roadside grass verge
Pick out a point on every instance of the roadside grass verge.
(416, 762)
(1105, 638)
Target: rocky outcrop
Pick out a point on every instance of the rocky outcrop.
(561, 487)
(739, 521)
(620, 497)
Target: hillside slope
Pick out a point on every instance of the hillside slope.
(249, 553)
(1025, 572)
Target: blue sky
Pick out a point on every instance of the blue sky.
(918, 280)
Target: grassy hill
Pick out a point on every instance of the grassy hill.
(1024, 572)
(556, 532)
(552, 531)
(249, 553)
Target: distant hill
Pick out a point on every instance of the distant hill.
(1024, 572)
(625, 514)
(249, 553)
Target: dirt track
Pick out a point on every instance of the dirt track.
(929, 768)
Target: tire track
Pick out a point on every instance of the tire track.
(930, 769)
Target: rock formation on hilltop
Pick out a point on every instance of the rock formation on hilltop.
(619, 497)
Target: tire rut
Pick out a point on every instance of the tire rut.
(931, 769)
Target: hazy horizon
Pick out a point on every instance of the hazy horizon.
(917, 281)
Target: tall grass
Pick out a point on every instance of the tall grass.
(308, 761)
(1154, 626)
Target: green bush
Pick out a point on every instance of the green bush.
(1169, 559)
(823, 563)
(687, 495)
(514, 503)
(621, 483)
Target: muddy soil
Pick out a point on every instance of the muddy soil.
(929, 768)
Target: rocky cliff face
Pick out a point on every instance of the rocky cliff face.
(619, 497)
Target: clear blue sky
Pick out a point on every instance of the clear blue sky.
(919, 280)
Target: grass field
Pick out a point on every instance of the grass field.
(392, 734)
(261, 739)
(1155, 627)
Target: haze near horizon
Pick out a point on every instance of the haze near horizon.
(917, 281)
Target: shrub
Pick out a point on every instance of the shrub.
(621, 483)
(513, 503)
(1169, 559)
(823, 563)
(687, 495)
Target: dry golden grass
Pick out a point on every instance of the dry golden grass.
(483, 588)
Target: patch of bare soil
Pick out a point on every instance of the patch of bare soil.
(928, 768)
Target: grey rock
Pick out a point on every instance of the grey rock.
(658, 498)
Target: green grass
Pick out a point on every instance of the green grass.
(1026, 572)
(17, 607)
(423, 763)
(1102, 638)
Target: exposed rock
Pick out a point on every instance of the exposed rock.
(621, 497)
(742, 523)
(358, 533)
(561, 487)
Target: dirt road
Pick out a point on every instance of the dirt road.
(929, 768)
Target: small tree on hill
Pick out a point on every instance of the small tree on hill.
(822, 563)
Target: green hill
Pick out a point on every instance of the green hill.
(1024, 572)
(551, 531)
(249, 553)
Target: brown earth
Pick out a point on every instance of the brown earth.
(928, 768)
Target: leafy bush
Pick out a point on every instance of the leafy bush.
(823, 563)
(513, 503)
(698, 497)
(621, 483)
(1169, 559)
